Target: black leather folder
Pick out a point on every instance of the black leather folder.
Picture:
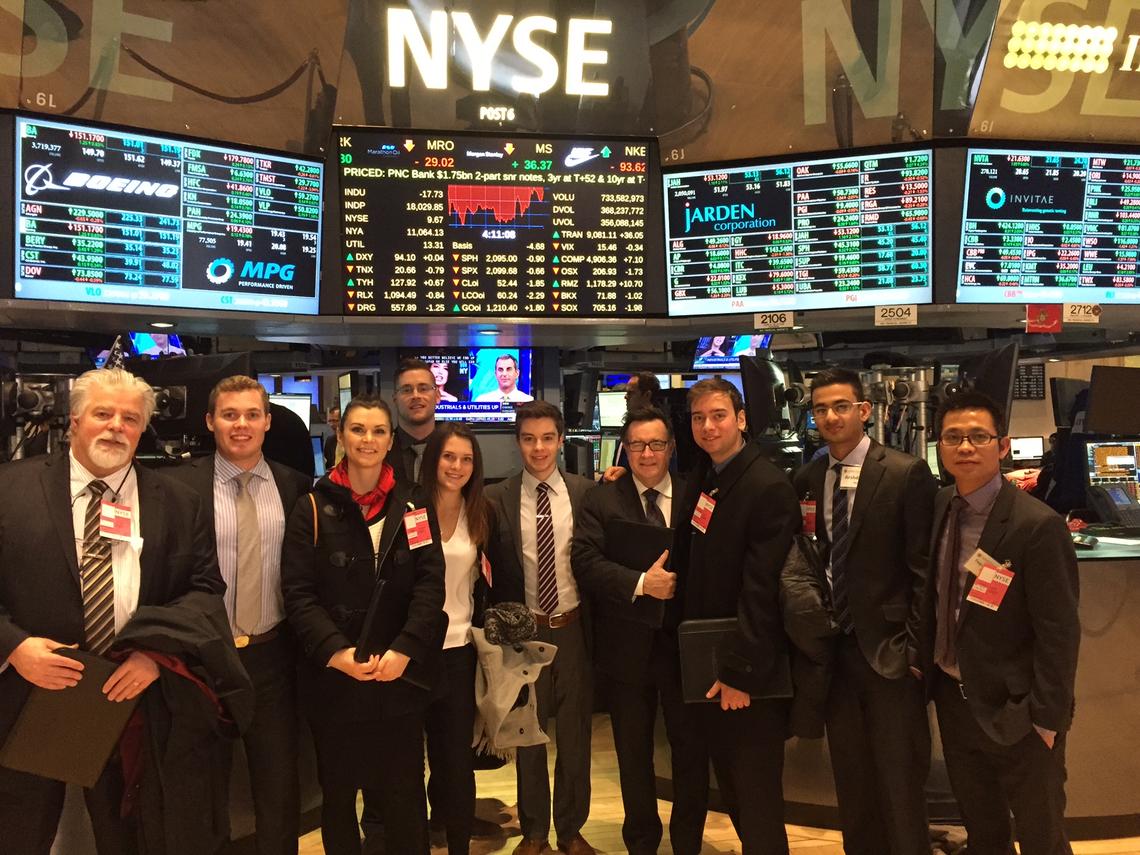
(69, 734)
(700, 642)
(636, 545)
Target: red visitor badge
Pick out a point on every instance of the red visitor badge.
(990, 587)
(416, 525)
(807, 512)
(702, 513)
(114, 521)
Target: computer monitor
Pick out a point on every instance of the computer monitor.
(1026, 448)
(1064, 392)
(318, 455)
(611, 409)
(1113, 462)
(1113, 395)
(300, 404)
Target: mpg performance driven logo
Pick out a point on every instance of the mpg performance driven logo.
(220, 271)
(38, 177)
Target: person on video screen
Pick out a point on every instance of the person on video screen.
(507, 376)
(440, 372)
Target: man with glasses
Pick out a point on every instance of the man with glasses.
(635, 640)
(416, 400)
(1000, 636)
(872, 506)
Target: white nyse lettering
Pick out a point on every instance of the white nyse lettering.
(578, 56)
(50, 40)
(482, 51)
(537, 56)
(404, 31)
(109, 23)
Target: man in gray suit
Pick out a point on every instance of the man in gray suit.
(535, 510)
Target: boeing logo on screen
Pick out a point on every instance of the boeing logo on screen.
(579, 155)
(38, 177)
(727, 218)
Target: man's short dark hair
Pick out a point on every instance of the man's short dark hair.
(972, 400)
(716, 385)
(539, 410)
(410, 363)
(647, 382)
(837, 377)
(509, 356)
(642, 415)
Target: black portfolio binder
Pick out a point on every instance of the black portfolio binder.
(700, 641)
(68, 734)
(637, 545)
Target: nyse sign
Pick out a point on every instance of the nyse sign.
(430, 51)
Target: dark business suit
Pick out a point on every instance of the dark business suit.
(877, 729)
(271, 740)
(1018, 667)
(564, 690)
(636, 646)
(733, 570)
(40, 595)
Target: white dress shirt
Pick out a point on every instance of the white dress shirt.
(270, 523)
(459, 556)
(665, 503)
(854, 459)
(123, 489)
(516, 395)
(563, 514)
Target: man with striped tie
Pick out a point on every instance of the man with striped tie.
(248, 498)
(536, 510)
(86, 538)
(873, 506)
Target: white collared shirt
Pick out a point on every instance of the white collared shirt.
(125, 555)
(271, 526)
(854, 459)
(664, 502)
(563, 519)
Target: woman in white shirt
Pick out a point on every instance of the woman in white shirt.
(452, 473)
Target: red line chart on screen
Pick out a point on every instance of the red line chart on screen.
(482, 206)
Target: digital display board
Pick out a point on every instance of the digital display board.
(115, 216)
(805, 234)
(478, 384)
(1050, 227)
(443, 223)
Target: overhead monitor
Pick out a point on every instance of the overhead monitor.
(1113, 463)
(724, 351)
(1050, 226)
(301, 404)
(818, 233)
(459, 224)
(1026, 448)
(1114, 401)
(611, 409)
(478, 384)
(118, 216)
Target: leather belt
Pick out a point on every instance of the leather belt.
(241, 641)
(558, 620)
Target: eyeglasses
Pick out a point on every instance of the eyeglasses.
(843, 408)
(656, 446)
(420, 388)
(977, 438)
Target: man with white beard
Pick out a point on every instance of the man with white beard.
(86, 539)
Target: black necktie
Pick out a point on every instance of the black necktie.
(652, 512)
(98, 577)
(949, 588)
(839, 547)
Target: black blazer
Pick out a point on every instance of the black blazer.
(506, 498)
(199, 474)
(734, 569)
(328, 588)
(623, 628)
(1019, 663)
(889, 552)
(40, 593)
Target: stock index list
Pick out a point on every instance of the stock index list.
(463, 224)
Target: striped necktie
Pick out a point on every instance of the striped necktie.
(653, 512)
(839, 547)
(98, 577)
(544, 530)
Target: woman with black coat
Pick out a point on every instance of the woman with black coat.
(362, 546)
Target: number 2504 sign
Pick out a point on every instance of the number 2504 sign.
(773, 320)
(896, 316)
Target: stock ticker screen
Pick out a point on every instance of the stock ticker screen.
(115, 216)
(805, 234)
(1050, 227)
(446, 224)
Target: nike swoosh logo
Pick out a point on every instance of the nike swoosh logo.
(579, 156)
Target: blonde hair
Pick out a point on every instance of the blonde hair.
(110, 379)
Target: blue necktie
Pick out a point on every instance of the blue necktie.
(839, 546)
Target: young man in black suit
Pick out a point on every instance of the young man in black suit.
(1001, 636)
(738, 519)
(416, 399)
(873, 507)
(249, 497)
(64, 584)
(535, 512)
(635, 637)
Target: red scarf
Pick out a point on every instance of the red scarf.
(372, 502)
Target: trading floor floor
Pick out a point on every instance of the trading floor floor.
(496, 797)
